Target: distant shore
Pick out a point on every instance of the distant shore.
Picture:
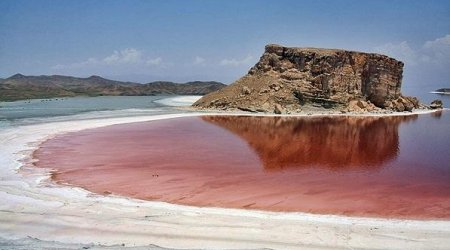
(440, 93)
(21, 87)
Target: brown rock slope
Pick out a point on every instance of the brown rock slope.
(292, 79)
(20, 87)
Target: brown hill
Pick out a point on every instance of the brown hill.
(18, 87)
(290, 79)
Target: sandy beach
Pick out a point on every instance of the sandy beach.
(35, 207)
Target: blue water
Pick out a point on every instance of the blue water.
(58, 109)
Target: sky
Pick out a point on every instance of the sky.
(187, 40)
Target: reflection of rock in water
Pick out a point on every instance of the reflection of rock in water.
(332, 142)
(437, 114)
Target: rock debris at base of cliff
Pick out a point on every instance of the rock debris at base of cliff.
(292, 80)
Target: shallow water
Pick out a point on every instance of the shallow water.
(40, 111)
(360, 166)
(73, 105)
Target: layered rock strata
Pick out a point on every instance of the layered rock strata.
(290, 79)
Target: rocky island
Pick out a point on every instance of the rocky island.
(442, 91)
(292, 80)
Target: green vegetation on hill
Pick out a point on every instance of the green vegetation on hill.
(20, 87)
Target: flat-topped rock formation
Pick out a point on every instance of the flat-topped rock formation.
(291, 79)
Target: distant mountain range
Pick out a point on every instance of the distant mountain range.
(19, 87)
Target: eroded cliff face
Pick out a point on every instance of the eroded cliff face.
(290, 78)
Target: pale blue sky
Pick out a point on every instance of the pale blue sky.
(214, 40)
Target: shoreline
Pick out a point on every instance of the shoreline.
(232, 223)
(314, 114)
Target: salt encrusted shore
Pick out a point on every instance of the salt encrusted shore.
(34, 207)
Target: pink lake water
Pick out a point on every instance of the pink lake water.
(394, 167)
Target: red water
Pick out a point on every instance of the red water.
(360, 166)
